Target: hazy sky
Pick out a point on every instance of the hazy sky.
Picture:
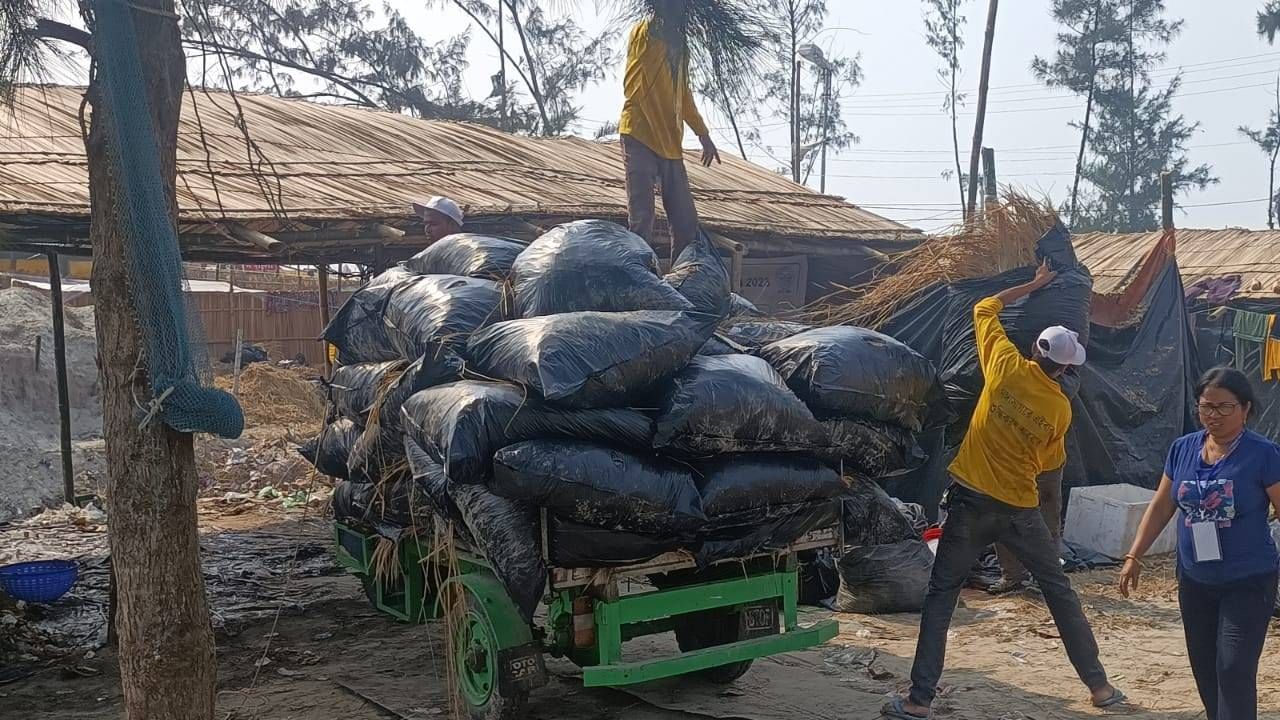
(1229, 77)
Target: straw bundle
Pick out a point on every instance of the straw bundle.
(1004, 239)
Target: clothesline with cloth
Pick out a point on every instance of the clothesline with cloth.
(1258, 331)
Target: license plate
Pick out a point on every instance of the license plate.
(760, 619)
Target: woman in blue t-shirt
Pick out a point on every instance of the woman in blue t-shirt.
(1222, 482)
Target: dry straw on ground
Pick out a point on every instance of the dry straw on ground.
(1003, 239)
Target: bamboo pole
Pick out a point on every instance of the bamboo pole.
(60, 365)
(984, 85)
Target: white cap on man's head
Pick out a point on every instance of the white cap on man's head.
(442, 205)
(1061, 346)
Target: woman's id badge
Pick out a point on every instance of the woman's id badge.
(1204, 536)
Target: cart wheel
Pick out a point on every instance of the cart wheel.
(696, 631)
(475, 661)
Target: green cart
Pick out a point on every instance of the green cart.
(724, 616)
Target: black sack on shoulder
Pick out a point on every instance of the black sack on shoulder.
(601, 486)
(430, 310)
(732, 404)
(461, 425)
(358, 329)
(850, 371)
(467, 254)
(700, 276)
(590, 359)
(590, 265)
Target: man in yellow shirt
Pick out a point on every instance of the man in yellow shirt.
(658, 104)
(1017, 432)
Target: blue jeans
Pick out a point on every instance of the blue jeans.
(1226, 627)
(975, 521)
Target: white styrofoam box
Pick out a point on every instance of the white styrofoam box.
(1105, 518)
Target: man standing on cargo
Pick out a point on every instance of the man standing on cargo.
(657, 106)
(1016, 434)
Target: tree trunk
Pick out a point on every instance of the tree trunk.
(534, 90)
(1084, 144)
(955, 137)
(984, 84)
(167, 669)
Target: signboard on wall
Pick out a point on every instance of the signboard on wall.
(775, 284)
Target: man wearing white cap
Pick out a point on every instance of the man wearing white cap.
(441, 217)
(1017, 433)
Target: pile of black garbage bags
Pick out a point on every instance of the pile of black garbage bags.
(565, 396)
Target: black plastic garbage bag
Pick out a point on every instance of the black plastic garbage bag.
(469, 255)
(505, 531)
(428, 310)
(575, 545)
(819, 579)
(380, 445)
(758, 333)
(734, 483)
(721, 345)
(733, 404)
(360, 503)
(590, 265)
(870, 448)
(590, 359)
(358, 329)
(600, 486)
(328, 451)
(763, 529)
(429, 478)
(740, 307)
(461, 425)
(700, 276)
(249, 354)
(848, 371)
(872, 517)
(884, 578)
(353, 388)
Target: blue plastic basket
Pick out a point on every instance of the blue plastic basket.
(38, 582)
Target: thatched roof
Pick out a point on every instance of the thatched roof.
(1254, 255)
(326, 179)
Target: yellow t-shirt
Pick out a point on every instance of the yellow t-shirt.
(658, 102)
(1019, 427)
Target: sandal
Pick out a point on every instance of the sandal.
(1005, 585)
(896, 709)
(1116, 698)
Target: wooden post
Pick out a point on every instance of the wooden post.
(322, 274)
(60, 365)
(1166, 200)
(990, 192)
(984, 83)
(235, 372)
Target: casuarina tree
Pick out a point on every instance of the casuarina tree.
(166, 650)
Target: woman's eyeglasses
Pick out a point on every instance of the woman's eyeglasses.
(1218, 410)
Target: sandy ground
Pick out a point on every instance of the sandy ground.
(326, 654)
